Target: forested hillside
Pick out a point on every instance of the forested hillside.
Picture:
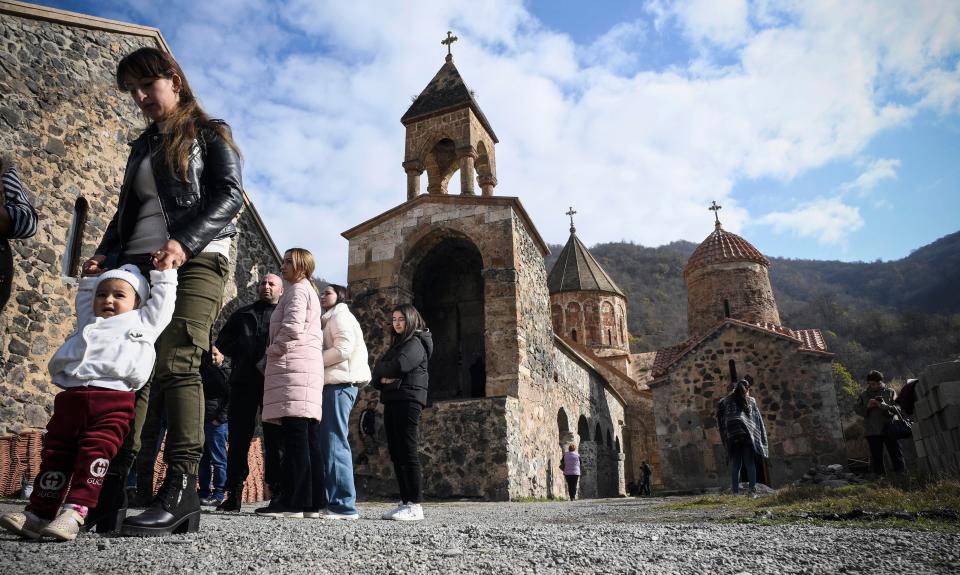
(894, 316)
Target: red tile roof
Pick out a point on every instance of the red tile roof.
(720, 247)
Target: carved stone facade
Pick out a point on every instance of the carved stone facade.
(67, 127)
(595, 319)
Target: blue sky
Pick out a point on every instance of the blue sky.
(826, 130)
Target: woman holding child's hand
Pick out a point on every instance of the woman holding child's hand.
(181, 190)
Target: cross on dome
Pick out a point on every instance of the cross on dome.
(715, 208)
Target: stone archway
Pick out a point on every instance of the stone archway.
(448, 291)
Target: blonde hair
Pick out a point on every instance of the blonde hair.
(573, 447)
(303, 262)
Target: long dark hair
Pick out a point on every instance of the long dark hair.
(186, 120)
(413, 323)
(343, 296)
(739, 394)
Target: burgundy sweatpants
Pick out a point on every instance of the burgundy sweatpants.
(86, 430)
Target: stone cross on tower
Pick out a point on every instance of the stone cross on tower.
(716, 212)
(570, 213)
(449, 43)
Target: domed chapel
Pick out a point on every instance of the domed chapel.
(735, 331)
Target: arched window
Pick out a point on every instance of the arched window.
(598, 433)
(583, 429)
(616, 444)
(562, 424)
(70, 264)
(609, 440)
(733, 371)
(726, 308)
(573, 335)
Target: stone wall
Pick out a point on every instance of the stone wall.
(794, 391)
(67, 126)
(936, 434)
(463, 449)
(745, 286)
(572, 391)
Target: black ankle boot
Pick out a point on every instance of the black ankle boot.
(233, 501)
(175, 509)
(111, 507)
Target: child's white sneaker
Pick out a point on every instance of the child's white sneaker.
(65, 527)
(409, 512)
(24, 524)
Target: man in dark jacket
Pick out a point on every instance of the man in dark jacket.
(877, 405)
(244, 340)
(216, 395)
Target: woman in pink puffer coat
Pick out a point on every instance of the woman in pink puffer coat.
(293, 389)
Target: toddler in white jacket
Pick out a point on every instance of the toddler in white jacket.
(108, 357)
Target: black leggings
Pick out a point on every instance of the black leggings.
(401, 421)
(572, 485)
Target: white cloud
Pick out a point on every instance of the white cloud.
(724, 23)
(314, 92)
(876, 172)
(826, 220)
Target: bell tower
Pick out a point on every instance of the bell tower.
(446, 132)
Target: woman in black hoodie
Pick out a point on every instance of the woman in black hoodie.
(401, 376)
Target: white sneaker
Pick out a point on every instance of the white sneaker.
(313, 514)
(334, 516)
(411, 512)
(394, 511)
(24, 524)
(65, 527)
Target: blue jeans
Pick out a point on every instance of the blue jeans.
(338, 400)
(215, 457)
(742, 454)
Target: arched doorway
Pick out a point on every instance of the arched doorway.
(448, 291)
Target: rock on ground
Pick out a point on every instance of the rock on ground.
(592, 536)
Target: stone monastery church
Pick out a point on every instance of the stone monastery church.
(528, 362)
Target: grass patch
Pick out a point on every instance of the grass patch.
(527, 499)
(793, 503)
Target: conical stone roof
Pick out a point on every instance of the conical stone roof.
(577, 270)
(723, 247)
(446, 91)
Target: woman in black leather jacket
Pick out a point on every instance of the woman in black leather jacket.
(401, 376)
(181, 191)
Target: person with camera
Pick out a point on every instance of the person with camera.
(877, 405)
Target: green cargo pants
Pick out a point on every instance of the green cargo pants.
(176, 392)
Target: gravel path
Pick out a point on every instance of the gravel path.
(595, 536)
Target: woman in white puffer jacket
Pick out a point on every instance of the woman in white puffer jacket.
(345, 368)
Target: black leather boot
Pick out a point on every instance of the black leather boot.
(233, 501)
(111, 507)
(175, 509)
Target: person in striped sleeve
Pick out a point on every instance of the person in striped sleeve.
(18, 220)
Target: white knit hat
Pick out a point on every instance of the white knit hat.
(130, 274)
